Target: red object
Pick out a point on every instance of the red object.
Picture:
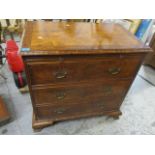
(13, 57)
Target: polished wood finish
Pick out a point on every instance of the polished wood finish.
(63, 38)
(78, 69)
(4, 114)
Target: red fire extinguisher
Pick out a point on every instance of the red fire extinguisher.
(15, 63)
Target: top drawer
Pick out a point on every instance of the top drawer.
(81, 68)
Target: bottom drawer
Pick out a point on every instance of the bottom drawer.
(69, 111)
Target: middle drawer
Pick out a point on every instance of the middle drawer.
(74, 94)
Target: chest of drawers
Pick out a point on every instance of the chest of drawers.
(78, 69)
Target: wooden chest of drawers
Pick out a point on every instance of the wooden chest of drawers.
(78, 69)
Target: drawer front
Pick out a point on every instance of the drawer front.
(76, 69)
(75, 94)
(71, 111)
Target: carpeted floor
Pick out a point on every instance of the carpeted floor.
(138, 111)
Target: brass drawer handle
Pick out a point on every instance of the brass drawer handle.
(61, 74)
(60, 95)
(60, 111)
(114, 70)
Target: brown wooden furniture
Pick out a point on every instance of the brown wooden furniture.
(4, 114)
(78, 69)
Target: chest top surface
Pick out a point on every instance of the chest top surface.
(78, 38)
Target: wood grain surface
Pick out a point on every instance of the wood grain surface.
(78, 38)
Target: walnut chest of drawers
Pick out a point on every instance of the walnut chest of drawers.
(78, 69)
